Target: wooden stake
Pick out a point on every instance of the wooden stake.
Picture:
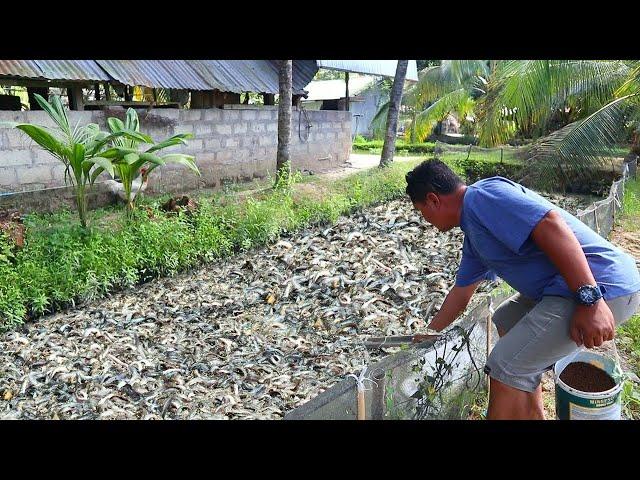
(488, 350)
(362, 414)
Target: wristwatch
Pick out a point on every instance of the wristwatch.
(588, 295)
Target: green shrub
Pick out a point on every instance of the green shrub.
(375, 146)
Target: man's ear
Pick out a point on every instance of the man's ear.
(433, 198)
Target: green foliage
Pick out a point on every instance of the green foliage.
(628, 341)
(129, 163)
(375, 146)
(630, 217)
(79, 148)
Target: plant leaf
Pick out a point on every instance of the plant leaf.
(178, 139)
(186, 160)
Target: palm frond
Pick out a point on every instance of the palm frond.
(529, 92)
(378, 123)
(578, 148)
(461, 70)
(456, 101)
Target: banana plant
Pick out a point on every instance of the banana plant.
(79, 148)
(129, 163)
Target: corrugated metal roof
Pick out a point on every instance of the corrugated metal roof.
(335, 89)
(155, 73)
(252, 75)
(385, 68)
(71, 70)
(224, 75)
(20, 68)
(53, 69)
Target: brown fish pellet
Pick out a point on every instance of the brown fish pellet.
(587, 378)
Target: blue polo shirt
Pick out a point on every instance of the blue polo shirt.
(498, 216)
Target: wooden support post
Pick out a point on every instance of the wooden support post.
(489, 346)
(75, 98)
(107, 91)
(96, 89)
(127, 93)
(346, 87)
(362, 414)
(44, 92)
(269, 98)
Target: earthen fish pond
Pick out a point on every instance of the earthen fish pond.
(251, 337)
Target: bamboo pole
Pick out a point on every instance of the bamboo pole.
(362, 414)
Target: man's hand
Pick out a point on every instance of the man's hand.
(593, 325)
(453, 305)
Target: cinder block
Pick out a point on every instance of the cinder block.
(240, 128)
(12, 116)
(191, 115)
(249, 114)
(259, 128)
(8, 177)
(212, 114)
(39, 174)
(231, 116)
(42, 157)
(251, 142)
(15, 158)
(194, 145)
(183, 128)
(212, 144)
(203, 128)
(264, 140)
(223, 129)
(230, 142)
(57, 174)
(15, 138)
(40, 117)
(172, 113)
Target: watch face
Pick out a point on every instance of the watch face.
(588, 294)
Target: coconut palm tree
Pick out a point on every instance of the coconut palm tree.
(283, 156)
(575, 110)
(392, 113)
(451, 86)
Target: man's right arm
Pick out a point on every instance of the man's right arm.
(454, 304)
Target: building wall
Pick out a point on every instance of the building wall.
(229, 145)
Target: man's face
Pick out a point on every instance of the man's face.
(433, 212)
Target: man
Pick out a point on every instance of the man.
(574, 286)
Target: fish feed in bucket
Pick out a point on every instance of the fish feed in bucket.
(574, 404)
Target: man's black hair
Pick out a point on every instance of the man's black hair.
(431, 176)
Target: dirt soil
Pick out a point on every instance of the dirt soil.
(628, 241)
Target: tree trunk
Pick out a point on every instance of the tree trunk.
(392, 118)
(283, 160)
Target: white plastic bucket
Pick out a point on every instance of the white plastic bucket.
(573, 404)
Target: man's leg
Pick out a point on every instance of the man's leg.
(505, 317)
(508, 403)
(531, 347)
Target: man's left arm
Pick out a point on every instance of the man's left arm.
(592, 325)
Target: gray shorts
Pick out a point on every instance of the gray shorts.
(536, 336)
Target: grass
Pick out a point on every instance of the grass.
(629, 220)
(628, 335)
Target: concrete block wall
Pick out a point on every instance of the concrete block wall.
(228, 145)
